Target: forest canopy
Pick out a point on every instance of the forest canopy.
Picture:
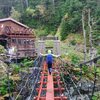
(52, 16)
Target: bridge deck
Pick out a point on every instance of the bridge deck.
(50, 88)
(51, 84)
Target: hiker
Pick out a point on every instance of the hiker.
(49, 60)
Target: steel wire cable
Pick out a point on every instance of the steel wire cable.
(71, 79)
(34, 77)
(39, 71)
(69, 95)
(27, 80)
(67, 90)
(74, 85)
(33, 87)
(73, 65)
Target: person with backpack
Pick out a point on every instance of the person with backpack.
(49, 60)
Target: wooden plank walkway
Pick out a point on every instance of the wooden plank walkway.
(50, 88)
(47, 83)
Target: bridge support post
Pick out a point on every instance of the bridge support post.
(41, 47)
(56, 48)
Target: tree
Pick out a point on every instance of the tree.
(15, 14)
(30, 12)
(84, 34)
(47, 15)
(1, 14)
(90, 34)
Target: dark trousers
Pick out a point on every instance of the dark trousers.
(49, 67)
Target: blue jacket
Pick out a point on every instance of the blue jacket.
(49, 58)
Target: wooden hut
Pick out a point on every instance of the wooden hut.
(18, 35)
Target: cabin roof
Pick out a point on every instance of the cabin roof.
(11, 19)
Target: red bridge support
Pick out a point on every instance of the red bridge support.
(50, 84)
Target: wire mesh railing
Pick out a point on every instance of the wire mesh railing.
(26, 85)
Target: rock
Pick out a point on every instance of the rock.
(1, 98)
(85, 86)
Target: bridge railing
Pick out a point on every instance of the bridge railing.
(31, 79)
(64, 64)
(92, 60)
(48, 38)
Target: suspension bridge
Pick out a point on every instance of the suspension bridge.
(39, 85)
(62, 84)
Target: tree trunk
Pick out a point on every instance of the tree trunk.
(84, 34)
(90, 36)
(27, 4)
(53, 3)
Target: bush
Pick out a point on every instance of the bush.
(75, 59)
(3, 90)
(2, 50)
(73, 42)
(4, 86)
(85, 69)
(27, 62)
(16, 68)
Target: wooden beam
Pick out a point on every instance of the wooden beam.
(92, 60)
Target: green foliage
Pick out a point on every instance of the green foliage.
(96, 33)
(15, 14)
(16, 68)
(73, 42)
(4, 86)
(98, 49)
(64, 30)
(19, 5)
(41, 32)
(49, 43)
(30, 12)
(75, 59)
(27, 63)
(47, 16)
(1, 14)
(2, 50)
(85, 69)
(3, 90)
(96, 96)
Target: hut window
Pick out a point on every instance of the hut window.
(13, 40)
(24, 42)
(32, 42)
(19, 41)
(28, 42)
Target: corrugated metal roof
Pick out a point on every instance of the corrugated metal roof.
(10, 19)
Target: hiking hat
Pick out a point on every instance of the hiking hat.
(49, 51)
